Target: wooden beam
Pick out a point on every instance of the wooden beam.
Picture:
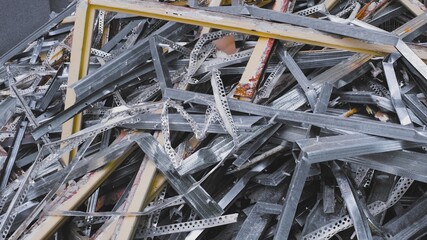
(414, 6)
(257, 27)
(80, 53)
(248, 83)
(47, 225)
(126, 226)
(329, 4)
(107, 231)
(213, 3)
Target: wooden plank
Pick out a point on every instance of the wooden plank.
(329, 4)
(79, 59)
(107, 231)
(213, 3)
(47, 225)
(126, 226)
(248, 83)
(414, 6)
(256, 27)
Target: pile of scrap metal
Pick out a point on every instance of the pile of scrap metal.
(300, 119)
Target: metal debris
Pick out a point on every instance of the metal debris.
(196, 120)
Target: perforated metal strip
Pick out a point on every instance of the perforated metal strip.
(199, 54)
(101, 18)
(312, 10)
(399, 190)
(174, 45)
(347, 9)
(193, 124)
(222, 105)
(147, 93)
(379, 89)
(118, 100)
(187, 226)
(49, 55)
(3, 201)
(12, 125)
(18, 198)
(169, 202)
(43, 89)
(131, 39)
(77, 139)
(368, 178)
(164, 119)
(361, 173)
(100, 53)
(375, 208)
(270, 82)
(199, 134)
(211, 117)
(195, 65)
(95, 111)
(243, 55)
(154, 217)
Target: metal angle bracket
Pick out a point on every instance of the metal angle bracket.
(301, 173)
(353, 205)
(366, 126)
(52, 89)
(257, 144)
(11, 157)
(394, 88)
(255, 223)
(162, 71)
(302, 80)
(417, 107)
(412, 58)
(195, 196)
(275, 178)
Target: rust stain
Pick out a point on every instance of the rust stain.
(248, 89)
(365, 12)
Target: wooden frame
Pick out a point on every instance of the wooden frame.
(85, 15)
(86, 12)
